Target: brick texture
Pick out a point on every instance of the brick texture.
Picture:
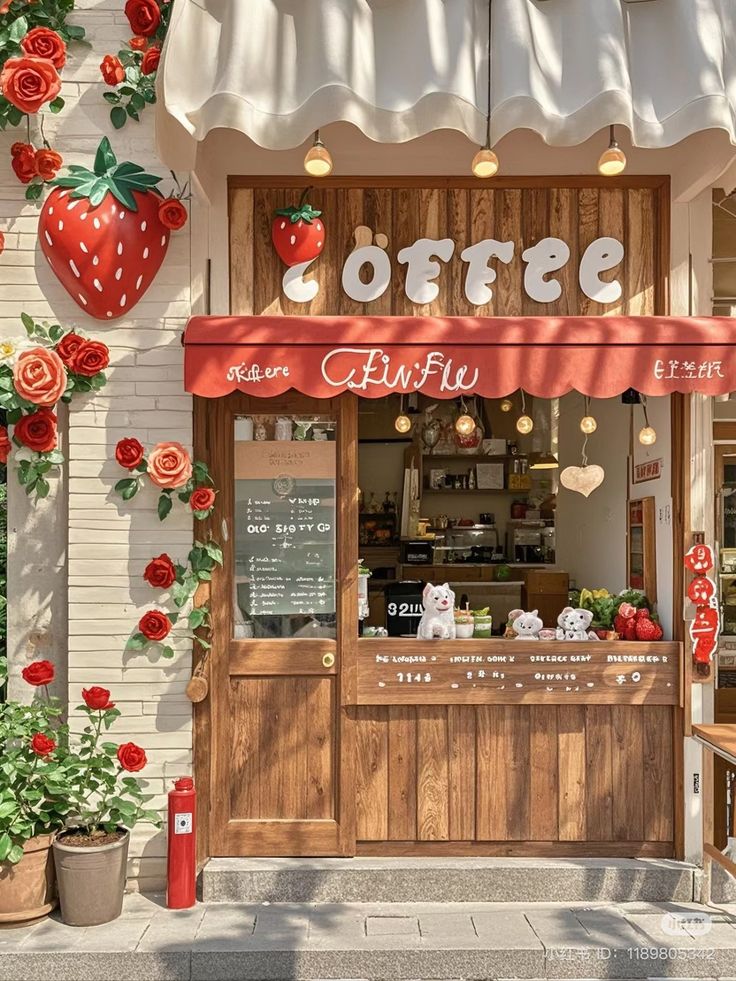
(109, 541)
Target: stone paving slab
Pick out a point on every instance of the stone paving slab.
(378, 942)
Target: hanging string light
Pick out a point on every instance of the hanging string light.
(612, 161)
(318, 161)
(402, 423)
(524, 424)
(485, 162)
(465, 423)
(506, 405)
(647, 434)
(588, 424)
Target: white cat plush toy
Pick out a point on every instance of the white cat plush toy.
(526, 626)
(438, 619)
(573, 625)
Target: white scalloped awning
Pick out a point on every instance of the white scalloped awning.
(278, 69)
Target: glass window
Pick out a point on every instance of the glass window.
(285, 470)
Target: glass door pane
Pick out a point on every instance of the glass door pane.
(285, 480)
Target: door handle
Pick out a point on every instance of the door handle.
(328, 659)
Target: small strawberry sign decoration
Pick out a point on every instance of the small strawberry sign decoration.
(103, 233)
(297, 233)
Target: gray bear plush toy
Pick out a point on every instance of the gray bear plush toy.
(573, 625)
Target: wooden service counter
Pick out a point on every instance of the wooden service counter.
(509, 747)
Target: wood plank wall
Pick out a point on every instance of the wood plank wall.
(561, 775)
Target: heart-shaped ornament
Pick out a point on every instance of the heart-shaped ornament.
(583, 480)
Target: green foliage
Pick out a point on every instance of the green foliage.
(108, 175)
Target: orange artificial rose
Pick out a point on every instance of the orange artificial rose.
(47, 163)
(29, 82)
(150, 61)
(172, 214)
(112, 70)
(39, 376)
(24, 162)
(138, 43)
(169, 465)
(45, 43)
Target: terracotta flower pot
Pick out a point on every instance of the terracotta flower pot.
(91, 880)
(28, 889)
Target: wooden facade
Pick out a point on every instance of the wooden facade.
(287, 759)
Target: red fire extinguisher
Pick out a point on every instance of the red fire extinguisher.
(181, 861)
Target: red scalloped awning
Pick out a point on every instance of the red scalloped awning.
(444, 357)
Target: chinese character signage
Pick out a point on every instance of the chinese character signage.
(702, 591)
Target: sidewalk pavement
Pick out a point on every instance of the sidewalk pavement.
(229, 942)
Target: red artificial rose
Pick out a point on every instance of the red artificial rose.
(37, 430)
(29, 82)
(172, 214)
(5, 6)
(154, 625)
(68, 347)
(202, 499)
(90, 358)
(42, 745)
(131, 757)
(24, 162)
(143, 16)
(47, 163)
(160, 572)
(45, 43)
(97, 698)
(38, 673)
(5, 445)
(150, 61)
(129, 452)
(112, 70)
(138, 43)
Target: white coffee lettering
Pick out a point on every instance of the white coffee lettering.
(480, 274)
(543, 258)
(422, 269)
(603, 254)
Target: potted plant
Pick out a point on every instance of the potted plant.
(34, 799)
(91, 854)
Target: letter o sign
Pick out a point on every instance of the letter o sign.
(379, 262)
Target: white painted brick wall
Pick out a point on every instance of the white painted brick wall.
(110, 542)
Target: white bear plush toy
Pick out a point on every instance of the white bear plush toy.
(526, 626)
(573, 625)
(438, 619)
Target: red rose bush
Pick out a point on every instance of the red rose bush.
(47, 366)
(53, 780)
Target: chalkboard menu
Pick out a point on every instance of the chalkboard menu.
(404, 672)
(285, 538)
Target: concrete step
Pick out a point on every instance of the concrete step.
(380, 942)
(410, 880)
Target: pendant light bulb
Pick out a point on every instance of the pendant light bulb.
(318, 161)
(588, 425)
(485, 163)
(524, 425)
(402, 424)
(612, 161)
(506, 405)
(465, 425)
(648, 436)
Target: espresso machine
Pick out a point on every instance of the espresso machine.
(524, 543)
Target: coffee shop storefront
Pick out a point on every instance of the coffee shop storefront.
(500, 320)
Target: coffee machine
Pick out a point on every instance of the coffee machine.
(524, 543)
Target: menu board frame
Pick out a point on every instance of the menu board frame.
(382, 661)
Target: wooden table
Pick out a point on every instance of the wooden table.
(718, 739)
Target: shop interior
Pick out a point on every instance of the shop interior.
(469, 492)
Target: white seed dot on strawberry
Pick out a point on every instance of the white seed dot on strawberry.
(109, 313)
(73, 267)
(319, 227)
(145, 253)
(83, 247)
(121, 215)
(51, 211)
(83, 216)
(283, 225)
(72, 205)
(123, 300)
(118, 274)
(319, 245)
(47, 236)
(97, 285)
(293, 239)
(120, 248)
(61, 225)
(82, 298)
(163, 240)
(139, 281)
(96, 222)
(95, 260)
(144, 226)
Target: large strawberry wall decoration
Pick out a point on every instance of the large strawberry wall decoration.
(298, 233)
(105, 233)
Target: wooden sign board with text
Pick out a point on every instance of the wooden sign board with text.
(479, 672)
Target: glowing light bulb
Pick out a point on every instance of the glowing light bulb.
(506, 405)
(647, 436)
(588, 425)
(465, 425)
(485, 163)
(318, 161)
(402, 423)
(613, 159)
(524, 425)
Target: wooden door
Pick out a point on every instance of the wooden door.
(275, 725)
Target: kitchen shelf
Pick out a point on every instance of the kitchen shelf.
(474, 490)
(478, 457)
